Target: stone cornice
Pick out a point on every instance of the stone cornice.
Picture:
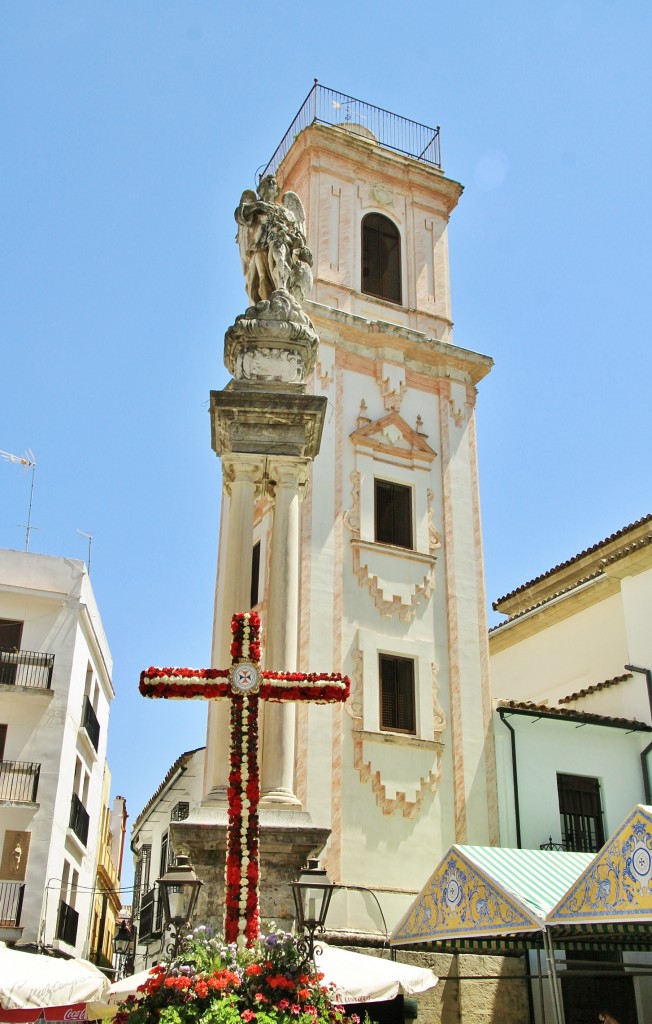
(376, 339)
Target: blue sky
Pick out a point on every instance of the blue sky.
(129, 130)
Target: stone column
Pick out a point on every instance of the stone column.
(287, 481)
(242, 480)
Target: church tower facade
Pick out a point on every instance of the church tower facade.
(391, 587)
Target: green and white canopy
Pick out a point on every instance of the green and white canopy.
(497, 900)
(489, 898)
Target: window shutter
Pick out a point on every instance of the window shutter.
(393, 513)
(397, 706)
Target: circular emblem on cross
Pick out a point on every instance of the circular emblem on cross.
(245, 677)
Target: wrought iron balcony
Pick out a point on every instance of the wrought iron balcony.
(550, 845)
(19, 781)
(79, 819)
(325, 106)
(67, 922)
(91, 724)
(11, 903)
(32, 669)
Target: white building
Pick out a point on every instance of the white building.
(575, 651)
(179, 793)
(571, 671)
(391, 589)
(55, 694)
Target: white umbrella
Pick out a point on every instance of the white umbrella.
(357, 978)
(366, 979)
(119, 990)
(30, 980)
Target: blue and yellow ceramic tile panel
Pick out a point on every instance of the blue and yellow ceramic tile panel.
(617, 885)
(460, 901)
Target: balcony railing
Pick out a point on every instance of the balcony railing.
(67, 921)
(26, 668)
(19, 781)
(79, 819)
(325, 106)
(149, 926)
(551, 845)
(91, 724)
(11, 903)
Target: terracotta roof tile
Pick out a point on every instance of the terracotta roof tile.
(570, 715)
(582, 554)
(594, 689)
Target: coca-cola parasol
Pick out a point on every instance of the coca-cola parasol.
(40, 985)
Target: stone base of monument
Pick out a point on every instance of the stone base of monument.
(287, 839)
(247, 421)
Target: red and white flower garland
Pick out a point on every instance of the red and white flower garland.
(242, 871)
(241, 913)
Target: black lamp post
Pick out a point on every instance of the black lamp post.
(121, 946)
(179, 888)
(312, 896)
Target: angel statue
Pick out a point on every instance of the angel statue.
(272, 242)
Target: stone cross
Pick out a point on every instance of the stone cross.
(246, 685)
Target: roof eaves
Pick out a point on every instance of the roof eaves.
(576, 558)
(570, 715)
(178, 766)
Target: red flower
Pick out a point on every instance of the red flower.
(248, 1015)
(254, 969)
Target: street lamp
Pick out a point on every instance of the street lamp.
(312, 896)
(121, 946)
(179, 888)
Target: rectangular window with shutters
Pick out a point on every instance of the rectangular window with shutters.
(580, 811)
(393, 513)
(397, 704)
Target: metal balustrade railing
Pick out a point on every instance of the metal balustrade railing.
(326, 106)
(32, 669)
(79, 819)
(91, 724)
(11, 903)
(19, 781)
(67, 922)
(551, 845)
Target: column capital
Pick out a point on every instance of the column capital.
(247, 469)
(287, 473)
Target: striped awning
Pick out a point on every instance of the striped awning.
(494, 900)
(490, 898)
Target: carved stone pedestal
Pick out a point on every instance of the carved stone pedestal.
(287, 839)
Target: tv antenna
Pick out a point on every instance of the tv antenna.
(28, 462)
(89, 537)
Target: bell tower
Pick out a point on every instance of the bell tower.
(391, 581)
